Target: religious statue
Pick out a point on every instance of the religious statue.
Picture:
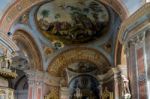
(78, 93)
(125, 88)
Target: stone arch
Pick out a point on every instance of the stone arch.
(29, 45)
(77, 54)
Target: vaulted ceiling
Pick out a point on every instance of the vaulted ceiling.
(5, 4)
(11, 11)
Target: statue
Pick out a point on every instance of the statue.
(125, 88)
(78, 93)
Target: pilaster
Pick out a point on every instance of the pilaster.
(35, 82)
(134, 35)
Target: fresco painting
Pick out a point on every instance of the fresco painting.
(73, 21)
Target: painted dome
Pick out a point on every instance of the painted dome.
(72, 21)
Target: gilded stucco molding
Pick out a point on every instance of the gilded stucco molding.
(31, 47)
(139, 28)
(132, 19)
(73, 55)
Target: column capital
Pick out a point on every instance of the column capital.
(42, 77)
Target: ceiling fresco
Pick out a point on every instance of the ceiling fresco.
(72, 22)
(82, 67)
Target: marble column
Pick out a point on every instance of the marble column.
(137, 66)
(111, 81)
(35, 82)
(135, 36)
(117, 76)
(42, 85)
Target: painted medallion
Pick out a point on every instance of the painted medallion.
(72, 21)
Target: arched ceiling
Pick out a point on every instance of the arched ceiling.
(11, 10)
(8, 12)
(5, 4)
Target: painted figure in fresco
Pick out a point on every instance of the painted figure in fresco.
(126, 91)
(73, 22)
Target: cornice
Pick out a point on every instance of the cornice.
(31, 47)
(132, 19)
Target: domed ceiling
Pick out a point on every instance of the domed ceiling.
(72, 21)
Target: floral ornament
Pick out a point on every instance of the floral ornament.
(58, 44)
(48, 50)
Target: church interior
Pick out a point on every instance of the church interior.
(74, 49)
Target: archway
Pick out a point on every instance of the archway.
(28, 46)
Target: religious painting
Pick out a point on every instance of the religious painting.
(72, 21)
